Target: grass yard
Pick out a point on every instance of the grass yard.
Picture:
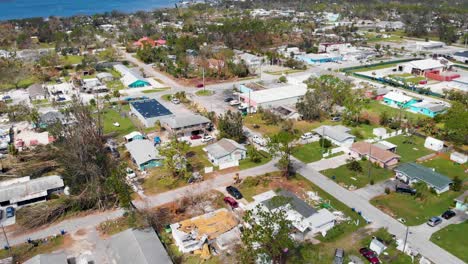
(415, 80)
(454, 239)
(345, 176)
(166, 97)
(256, 119)
(247, 163)
(156, 90)
(115, 85)
(290, 71)
(26, 251)
(373, 68)
(204, 93)
(413, 210)
(111, 116)
(159, 180)
(111, 227)
(71, 59)
(444, 165)
(377, 108)
(409, 152)
(308, 153)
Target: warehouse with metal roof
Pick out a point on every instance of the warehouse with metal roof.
(149, 111)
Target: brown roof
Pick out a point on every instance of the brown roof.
(377, 153)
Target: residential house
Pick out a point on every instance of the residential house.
(137, 246)
(274, 97)
(338, 135)
(144, 41)
(430, 109)
(185, 125)
(461, 202)
(411, 173)
(131, 79)
(253, 62)
(144, 154)
(290, 52)
(398, 100)
(50, 118)
(304, 218)
(105, 77)
(149, 111)
(385, 145)
(93, 85)
(377, 94)
(37, 92)
(23, 191)
(196, 233)
(225, 151)
(458, 157)
(375, 154)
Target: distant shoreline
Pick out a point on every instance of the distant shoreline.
(15, 10)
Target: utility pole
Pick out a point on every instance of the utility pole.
(6, 239)
(370, 163)
(203, 76)
(406, 238)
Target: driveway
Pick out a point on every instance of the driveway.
(371, 191)
(331, 163)
(426, 231)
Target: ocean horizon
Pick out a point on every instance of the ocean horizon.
(18, 9)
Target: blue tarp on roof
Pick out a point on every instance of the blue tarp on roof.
(150, 108)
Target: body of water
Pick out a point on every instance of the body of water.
(14, 9)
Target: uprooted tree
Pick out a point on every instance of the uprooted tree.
(96, 181)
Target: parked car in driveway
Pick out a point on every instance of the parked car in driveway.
(307, 135)
(175, 101)
(10, 212)
(234, 102)
(259, 140)
(194, 137)
(370, 255)
(233, 203)
(434, 221)
(229, 99)
(448, 214)
(200, 85)
(234, 192)
(207, 138)
(336, 119)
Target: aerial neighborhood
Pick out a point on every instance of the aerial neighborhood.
(235, 132)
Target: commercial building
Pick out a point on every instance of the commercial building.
(461, 56)
(411, 173)
(225, 151)
(144, 154)
(319, 58)
(338, 135)
(185, 125)
(23, 191)
(130, 78)
(149, 111)
(274, 97)
(421, 67)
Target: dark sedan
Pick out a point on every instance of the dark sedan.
(448, 214)
(234, 192)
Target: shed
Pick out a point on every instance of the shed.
(379, 132)
(458, 157)
(105, 76)
(461, 202)
(434, 144)
(377, 246)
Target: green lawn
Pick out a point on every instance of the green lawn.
(283, 72)
(166, 97)
(415, 80)
(266, 129)
(159, 180)
(345, 176)
(454, 239)
(373, 68)
(26, 251)
(409, 152)
(247, 163)
(198, 158)
(111, 116)
(413, 210)
(204, 92)
(72, 59)
(377, 108)
(444, 165)
(115, 85)
(308, 153)
(156, 90)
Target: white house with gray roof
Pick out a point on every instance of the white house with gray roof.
(338, 135)
(37, 92)
(144, 154)
(411, 173)
(225, 151)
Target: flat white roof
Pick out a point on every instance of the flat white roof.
(426, 64)
(398, 97)
(276, 94)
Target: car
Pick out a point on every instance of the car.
(259, 140)
(200, 85)
(175, 101)
(307, 136)
(10, 212)
(339, 256)
(434, 221)
(448, 214)
(229, 200)
(207, 138)
(229, 99)
(194, 137)
(234, 192)
(336, 119)
(116, 124)
(370, 255)
(403, 188)
(130, 173)
(234, 102)
(1, 214)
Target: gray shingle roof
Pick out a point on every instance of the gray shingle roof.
(137, 247)
(29, 189)
(223, 148)
(53, 258)
(298, 205)
(427, 175)
(185, 121)
(338, 133)
(142, 151)
(36, 90)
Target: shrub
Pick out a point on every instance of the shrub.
(325, 143)
(371, 182)
(354, 165)
(457, 184)
(251, 181)
(387, 190)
